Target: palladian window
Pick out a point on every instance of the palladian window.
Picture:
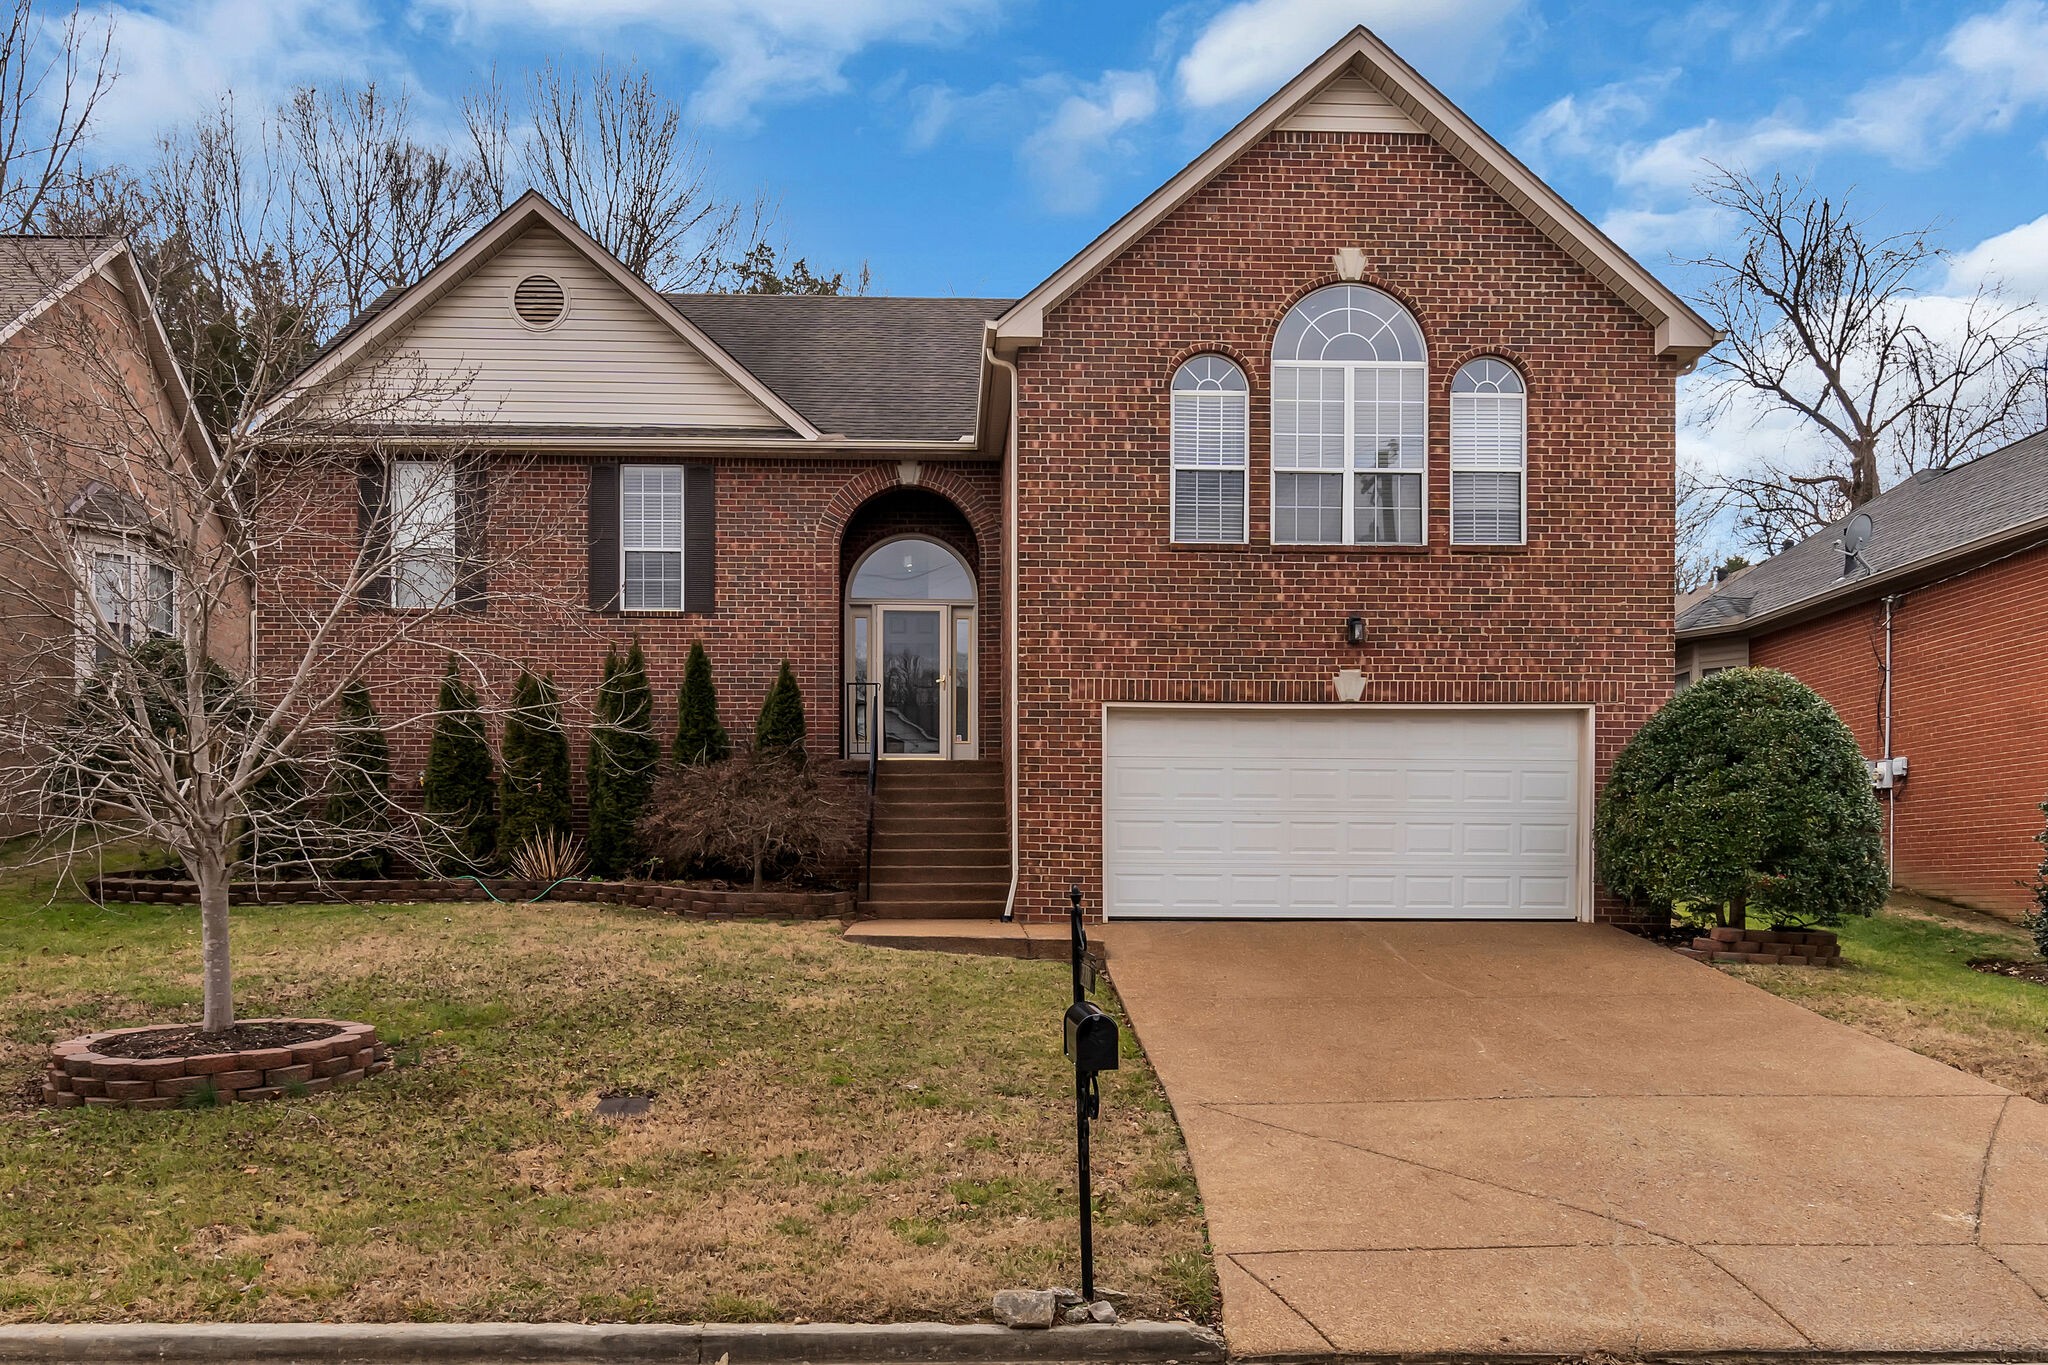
(1350, 438)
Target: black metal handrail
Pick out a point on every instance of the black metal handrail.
(873, 716)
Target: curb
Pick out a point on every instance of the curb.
(909, 1343)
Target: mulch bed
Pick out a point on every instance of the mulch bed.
(188, 1040)
(2036, 972)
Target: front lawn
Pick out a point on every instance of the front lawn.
(1906, 977)
(840, 1132)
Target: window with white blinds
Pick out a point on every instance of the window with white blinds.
(1350, 421)
(651, 537)
(423, 533)
(1211, 450)
(1489, 454)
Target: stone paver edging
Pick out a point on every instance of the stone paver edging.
(910, 1343)
(78, 1075)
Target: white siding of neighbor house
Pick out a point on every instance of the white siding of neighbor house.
(608, 362)
(1695, 660)
(1349, 105)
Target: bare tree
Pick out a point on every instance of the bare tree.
(378, 204)
(614, 153)
(135, 701)
(1824, 321)
(53, 75)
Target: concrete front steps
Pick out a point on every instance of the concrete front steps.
(942, 841)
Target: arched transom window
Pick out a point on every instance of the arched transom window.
(1211, 449)
(1489, 454)
(1350, 464)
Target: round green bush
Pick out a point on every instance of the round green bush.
(1746, 795)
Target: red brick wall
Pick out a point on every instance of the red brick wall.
(1969, 712)
(781, 523)
(1111, 610)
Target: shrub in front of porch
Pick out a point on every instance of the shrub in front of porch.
(700, 735)
(760, 814)
(534, 791)
(458, 790)
(1746, 795)
(781, 727)
(623, 759)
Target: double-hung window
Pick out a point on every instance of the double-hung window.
(1350, 427)
(424, 554)
(1489, 454)
(1211, 450)
(134, 594)
(651, 537)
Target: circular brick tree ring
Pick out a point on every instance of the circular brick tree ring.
(80, 1074)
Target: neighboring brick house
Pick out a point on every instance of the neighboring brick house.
(1933, 646)
(1300, 548)
(91, 400)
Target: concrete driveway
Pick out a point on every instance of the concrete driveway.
(1558, 1138)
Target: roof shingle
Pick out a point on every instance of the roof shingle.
(1918, 523)
(32, 268)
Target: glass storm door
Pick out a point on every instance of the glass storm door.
(912, 671)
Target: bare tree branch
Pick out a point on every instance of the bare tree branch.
(53, 76)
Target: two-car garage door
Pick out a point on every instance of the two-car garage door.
(1323, 812)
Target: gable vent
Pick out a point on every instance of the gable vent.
(540, 301)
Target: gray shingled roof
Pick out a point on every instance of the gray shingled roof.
(1917, 524)
(859, 366)
(32, 267)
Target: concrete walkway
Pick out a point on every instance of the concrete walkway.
(1503, 1138)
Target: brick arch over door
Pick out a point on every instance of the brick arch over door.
(955, 506)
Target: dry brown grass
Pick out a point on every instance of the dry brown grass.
(840, 1132)
(1907, 979)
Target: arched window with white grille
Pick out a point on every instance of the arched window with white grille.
(1350, 421)
(1489, 454)
(1211, 450)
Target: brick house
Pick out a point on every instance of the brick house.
(1929, 643)
(1299, 548)
(92, 406)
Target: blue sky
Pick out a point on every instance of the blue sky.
(968, 146)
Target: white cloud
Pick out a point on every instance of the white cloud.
(762, 51)
(1088, 127)
(177, 63)
(1580, 126)
(1252, 47)
(2016, 259)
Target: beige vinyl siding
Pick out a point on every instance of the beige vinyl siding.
(608, 362)
(1702, 657)
(1349, 105)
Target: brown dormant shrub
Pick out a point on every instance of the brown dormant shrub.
(765, 813)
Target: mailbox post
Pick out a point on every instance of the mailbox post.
(1092, 1043)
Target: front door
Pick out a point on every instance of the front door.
(922, 658)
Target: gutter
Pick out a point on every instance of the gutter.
(778, 445)
(1010, 621)
(1817, 605)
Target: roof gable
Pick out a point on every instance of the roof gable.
(619, 357)
(1360, 85)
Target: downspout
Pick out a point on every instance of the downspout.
(1010, 621)
(1891, 802)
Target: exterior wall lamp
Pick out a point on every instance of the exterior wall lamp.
(1354, 631)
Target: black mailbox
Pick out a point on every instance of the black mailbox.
(1091, 1038)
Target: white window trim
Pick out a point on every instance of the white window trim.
(1522, 472)
(396, 557)
(681, 551)
(1176, 465)
(1352, 468)
(87, 545)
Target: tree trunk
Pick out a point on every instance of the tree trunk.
(759, 854)
(212, 876)
(1864, 480)
(1735, 914)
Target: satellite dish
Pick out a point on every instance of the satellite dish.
(1855, 536)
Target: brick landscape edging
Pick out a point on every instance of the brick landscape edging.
(690, 901)
(78, 1075)
(1768, 947)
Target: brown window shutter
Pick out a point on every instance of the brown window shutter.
(700, 539)
(373, 530)
(472, 523)
(604, 537)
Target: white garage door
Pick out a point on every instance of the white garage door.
(1213, 812)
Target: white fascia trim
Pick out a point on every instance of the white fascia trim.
(1679, 330)
(530, 208)
(483, 439)
(50, 300)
